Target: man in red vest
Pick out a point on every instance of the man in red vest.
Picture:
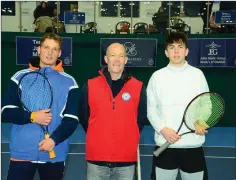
(113, 112)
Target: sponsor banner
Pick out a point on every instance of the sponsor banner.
(74, 17)
(141, 52)
(26, 48)
(212, 52)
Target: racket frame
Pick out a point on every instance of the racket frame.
(167, 144)
(184, 121)
(46, 133)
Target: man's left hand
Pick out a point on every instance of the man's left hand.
(200, 131)
(200, 127)
(47, 145)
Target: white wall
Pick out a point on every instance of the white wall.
(12, 23)
(105, 24)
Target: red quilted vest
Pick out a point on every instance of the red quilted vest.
(113, 133)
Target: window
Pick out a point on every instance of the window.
(180, 8)
(119, 8)
(8, 8)
(52, 4)
(175, 7)
(125, 8)
(192, 8)
(109, 8)
(68, 6)
(64, 6)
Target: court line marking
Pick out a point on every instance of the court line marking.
(216, 157)
(154, 145)
(150, 155)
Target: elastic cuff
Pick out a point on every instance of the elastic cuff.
(53, 137)
(33, 117)
(27, 117)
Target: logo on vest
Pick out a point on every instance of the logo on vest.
(126, 96)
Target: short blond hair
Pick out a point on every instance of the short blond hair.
(53, 36)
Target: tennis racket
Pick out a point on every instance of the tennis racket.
(35, 93)
(204, 111)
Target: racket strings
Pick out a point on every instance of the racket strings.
(217, 110)
(29, 88)
(204, 112)
(35, 92)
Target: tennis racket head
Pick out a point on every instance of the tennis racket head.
(204, 111)
(35, 91)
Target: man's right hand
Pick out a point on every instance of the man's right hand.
(43, 117)
(170, 135)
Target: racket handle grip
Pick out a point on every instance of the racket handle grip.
(51, 153)
(161, 149)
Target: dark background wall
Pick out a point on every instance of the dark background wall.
(86, 63)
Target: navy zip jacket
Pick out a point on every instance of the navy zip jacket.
(25, 135)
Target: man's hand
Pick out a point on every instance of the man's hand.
(200, 131)
(47, 145)
(43, 117)
(200, 127)
(170, 135)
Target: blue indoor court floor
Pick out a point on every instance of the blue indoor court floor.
(220, 152)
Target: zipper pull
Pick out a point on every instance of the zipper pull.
(113, 103)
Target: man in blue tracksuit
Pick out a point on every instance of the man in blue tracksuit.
(28, 148)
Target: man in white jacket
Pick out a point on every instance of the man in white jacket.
(169, 91)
